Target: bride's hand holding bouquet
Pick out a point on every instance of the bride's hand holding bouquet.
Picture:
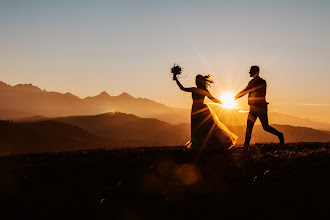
(176, 70)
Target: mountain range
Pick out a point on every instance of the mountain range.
(26, 100)
(127, 129)
(23, 101)
(116, 129)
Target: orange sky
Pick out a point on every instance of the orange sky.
(89, 47)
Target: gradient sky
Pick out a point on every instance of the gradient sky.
(86, 47)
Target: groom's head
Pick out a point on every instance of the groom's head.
(254, 71)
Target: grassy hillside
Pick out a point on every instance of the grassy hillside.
(288, 182)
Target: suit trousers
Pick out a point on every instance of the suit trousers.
(261, 112)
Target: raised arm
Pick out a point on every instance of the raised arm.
(181, 86)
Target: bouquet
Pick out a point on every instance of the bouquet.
(176, 70)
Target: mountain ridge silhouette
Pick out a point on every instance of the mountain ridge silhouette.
(29, 98)
(26, 100)
(115, 129)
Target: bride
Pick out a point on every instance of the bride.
(207, 132)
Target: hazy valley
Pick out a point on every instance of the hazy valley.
(26, 100)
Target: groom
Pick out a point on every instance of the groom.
(258, 106)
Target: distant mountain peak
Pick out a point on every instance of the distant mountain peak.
(2, 84)
(27, 87)
(68, 94)
(125, 95)
(103, 95)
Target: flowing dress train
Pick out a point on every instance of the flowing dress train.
(207, 132)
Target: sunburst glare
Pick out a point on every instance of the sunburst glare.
(228, 100)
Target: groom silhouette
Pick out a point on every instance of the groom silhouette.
(258, 106)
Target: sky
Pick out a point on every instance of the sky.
(86, 47)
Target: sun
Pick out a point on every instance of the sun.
(228, 100)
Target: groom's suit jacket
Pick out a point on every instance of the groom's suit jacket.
(257, 92)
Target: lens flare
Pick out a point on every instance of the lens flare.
(228, 100)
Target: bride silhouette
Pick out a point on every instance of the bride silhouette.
(207, 132)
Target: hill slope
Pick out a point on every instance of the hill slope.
(119, 128)
(44, 136)
(123, 129)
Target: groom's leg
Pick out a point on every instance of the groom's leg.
(252, 117)
(265, 124)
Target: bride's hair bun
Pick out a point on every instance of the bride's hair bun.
(207, 79)
(203, 80)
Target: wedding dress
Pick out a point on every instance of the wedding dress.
(207, 132)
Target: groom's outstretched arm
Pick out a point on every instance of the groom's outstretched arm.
(243, 92)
